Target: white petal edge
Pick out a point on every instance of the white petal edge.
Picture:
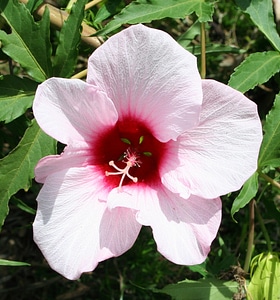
(221, 153)
(72, 111)
(118, 231)
(69, 158)
(70, 214)
(149, 77)
(183, 228)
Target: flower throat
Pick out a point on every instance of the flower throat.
(130, 154)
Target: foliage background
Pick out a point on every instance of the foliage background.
(242, 49)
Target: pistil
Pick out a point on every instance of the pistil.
(132, 161)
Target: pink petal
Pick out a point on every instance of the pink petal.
(72, 111)
(135, 196)
(173, 180)
(118, 231)
(221, 153)
(149, 77)
(183, 229)
(69, 225)
(70, 158)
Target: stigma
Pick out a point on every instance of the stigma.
(131, 159)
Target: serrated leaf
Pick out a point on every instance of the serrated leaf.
(145, 11)
(204, 289)
(247, 193)
(32, 5)
(255, 69)
(11, 263)
(17, 168)
(16, 96)
(69, 39)
(261, 13)
(270, 148)
(12, 134)
(29, 43)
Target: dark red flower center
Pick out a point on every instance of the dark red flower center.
(128, 153)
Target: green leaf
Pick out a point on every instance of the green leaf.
(255, 69)
(23, 206)
(247, 193)
(145, 11)
(186, 38)
(11, 263)
(109, 8)
(69, 39)
(204, 289)
(261, 13)
(270, 148)
(201, 269)
(32, 5)
(17, 168)
(16, 95)
(12, 133)
(29, 43)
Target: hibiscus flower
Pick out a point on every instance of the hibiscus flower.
(147, 143)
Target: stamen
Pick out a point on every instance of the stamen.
(132, 161)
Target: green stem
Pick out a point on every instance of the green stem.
(270, 180)
(250, 236)
(80, 75)
(69, 5)
(203, 50)
(263, 228)
(92, 3)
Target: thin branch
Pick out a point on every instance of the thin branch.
(57, 18)
(203, 50)
(69, 5)
(270, 180)
(80, 75)
(251, 234)
(263, 228)
(92, 3)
